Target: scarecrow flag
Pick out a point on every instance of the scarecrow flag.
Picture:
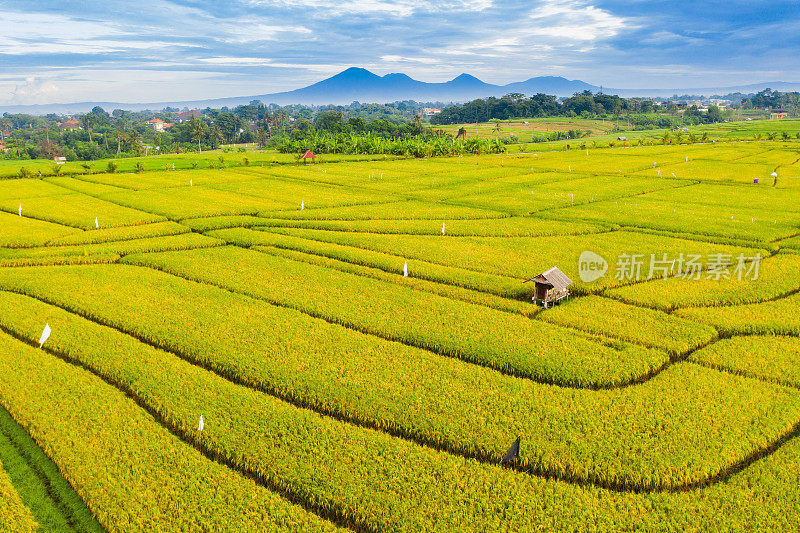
(191, 183)
(96, 223)
(20, 209)
(302, 205)
(405, 269)
(201, 425)
(442, 228)
(512, 453)
(45, 335)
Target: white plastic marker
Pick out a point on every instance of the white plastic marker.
(96, 223)
(45, 335)
(191, 183)
(405, 269)
(442, 228)
(587, 152)
(20, 209)
(302, 205)
(201, 425)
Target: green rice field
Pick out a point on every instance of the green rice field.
(354, 345)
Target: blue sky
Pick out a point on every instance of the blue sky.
(67, 51)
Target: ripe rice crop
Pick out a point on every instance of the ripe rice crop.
(81, 185)
(479, 281)
(12, 190)
(756, 197)
(338, 392)
(792, 243)
(162, 180)
(157, 229)
(623, 436)
(501, 227)
(17, 231)
(104, 252)
(602, 316)
(523, 258)
(449, 291)
(713, 171)
(14, 515)
(469, 332)
(778, 317)
(291, 193)
(520, 201)
(777, 276)
(713, 222)
(405, 210)
(767, 357)
(77, 210)
(190, 202)
(172, 481)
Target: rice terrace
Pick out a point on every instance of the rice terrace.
(352, 344)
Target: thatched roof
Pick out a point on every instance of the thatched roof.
(553, 277)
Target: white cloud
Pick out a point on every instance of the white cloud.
(401, 8)
(574, 21)
(34, 90)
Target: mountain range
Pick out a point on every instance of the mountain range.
(358, 84)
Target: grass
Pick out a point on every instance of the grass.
(50, 500)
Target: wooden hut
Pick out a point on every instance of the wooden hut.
(551, 286)
(308, 155)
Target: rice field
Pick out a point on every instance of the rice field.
(353, 345)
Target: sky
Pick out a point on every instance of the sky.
(72, 51)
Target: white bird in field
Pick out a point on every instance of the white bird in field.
(201, 425)
(45, 335)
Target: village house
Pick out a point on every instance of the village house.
(185, 116)
(430, 111)
(70, 125)
(778, 114)
(157, 124)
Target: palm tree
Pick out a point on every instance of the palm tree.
(198, 130)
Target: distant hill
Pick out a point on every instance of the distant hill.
(358, 84)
